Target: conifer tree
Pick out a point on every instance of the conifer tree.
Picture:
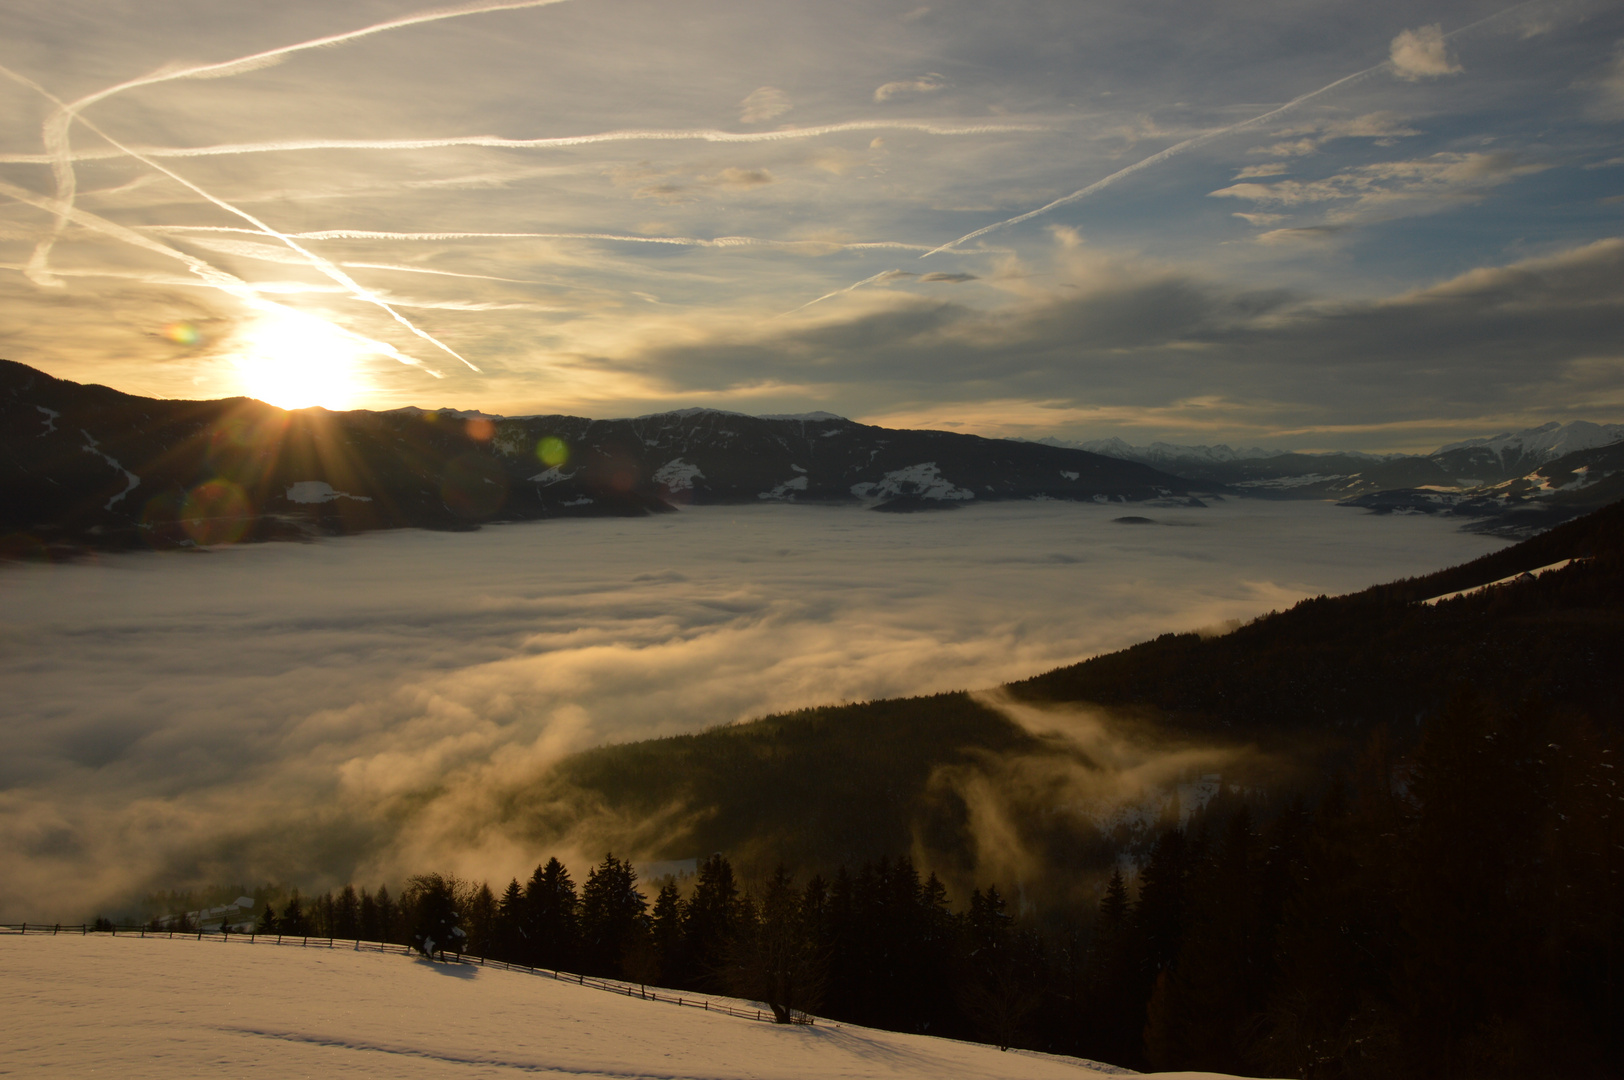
(773, 956)
(510, 924)
(612, 912)
(368, 923)
(346, 914)
(481, 919)
(710, 919)
(552, 918)
(666, 931)
(294, 921)
(388, 917)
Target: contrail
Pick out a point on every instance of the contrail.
(881, 276)
(1179, 148)
(56, 128)
(316, 261)
(679, 241)
(713, 135)
(439, 273)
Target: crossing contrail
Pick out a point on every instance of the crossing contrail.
(57, 126)
(712, 135)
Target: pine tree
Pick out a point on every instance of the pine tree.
(370, 926)
(552, 918)
(666, 931)
(388, 917)
(347, 915)
(510, 924)
(774, 957)
(710, 919)
(294, 922)
(481, 918)
(612, 912)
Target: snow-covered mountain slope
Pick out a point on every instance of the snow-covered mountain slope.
(1532, 478)
(175, 1009)
(1549, 441)
(1547, 494)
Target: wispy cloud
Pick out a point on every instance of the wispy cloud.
(1393, 187)
(762, 104)
(924, 84)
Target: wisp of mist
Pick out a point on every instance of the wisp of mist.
(304, 713)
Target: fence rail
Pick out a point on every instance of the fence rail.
(612, 986)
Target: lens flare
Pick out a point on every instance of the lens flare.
(552, 451)
(215, 512)
(294, 360)
(480, 429)
(182, 333)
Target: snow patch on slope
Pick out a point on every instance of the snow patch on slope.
(93, 447)
(785, 492)
(319, 491)
(677, 475)
(923, 481)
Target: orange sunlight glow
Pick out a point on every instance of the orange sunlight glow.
(294, 360)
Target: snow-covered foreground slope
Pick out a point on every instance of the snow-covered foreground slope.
(172, 1009)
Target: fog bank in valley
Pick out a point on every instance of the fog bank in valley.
(361, 707)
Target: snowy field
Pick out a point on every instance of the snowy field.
(171, 1010)
(305, 712)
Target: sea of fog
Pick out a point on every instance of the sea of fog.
(302, 712)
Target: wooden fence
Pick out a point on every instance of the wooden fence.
(612, 986)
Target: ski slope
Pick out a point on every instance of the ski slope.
(173, 1009)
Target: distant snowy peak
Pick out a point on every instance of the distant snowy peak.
(1546, 442)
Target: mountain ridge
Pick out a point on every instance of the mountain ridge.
(89, 467)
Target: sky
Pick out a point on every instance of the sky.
(369, 707)
(1361, 225)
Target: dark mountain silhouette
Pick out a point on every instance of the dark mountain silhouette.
(87, 466)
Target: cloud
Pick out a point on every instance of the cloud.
(1252, 171)
(1422, 53)
(1414, 186)
(293, 713)
(762, 104)
(925, 84)
(1129, 341)
(1313, 234)
(1606, 88)
(954, 278)
(735, 177)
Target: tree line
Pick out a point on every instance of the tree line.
(1455, 912)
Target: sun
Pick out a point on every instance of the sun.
(294, 360)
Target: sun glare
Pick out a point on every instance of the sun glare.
(294, 360)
